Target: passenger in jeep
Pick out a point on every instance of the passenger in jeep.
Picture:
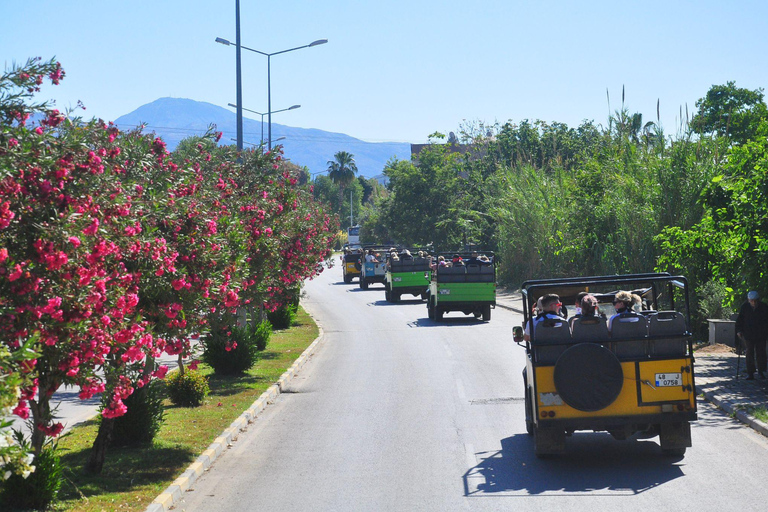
(623, 303)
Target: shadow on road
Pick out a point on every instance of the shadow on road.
(594, 464)
(458, 321)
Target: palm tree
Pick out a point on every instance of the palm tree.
(342, 170)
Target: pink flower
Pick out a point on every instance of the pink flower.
(93, 228)
(13, 142)
(15, 274)
(21, 410)
(3, 255)
(161, 371)
(115, 409)
(51, 430)
(74, 241)
(39, 130)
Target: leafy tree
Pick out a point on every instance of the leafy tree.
(730, 111)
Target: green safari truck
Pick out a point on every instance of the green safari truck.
(469, 288)
(407, 276)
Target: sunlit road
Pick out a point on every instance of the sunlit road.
(396, 412)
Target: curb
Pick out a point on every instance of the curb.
(173, 494)
(741, 415)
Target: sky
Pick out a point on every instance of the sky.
(396, 70)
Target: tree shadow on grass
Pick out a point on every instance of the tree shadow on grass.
(125, 469)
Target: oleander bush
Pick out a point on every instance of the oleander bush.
(144, 417)
(187, 389)
(231, 349)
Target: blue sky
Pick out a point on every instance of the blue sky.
(396, 70)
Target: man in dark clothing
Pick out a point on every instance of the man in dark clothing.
(752, 327)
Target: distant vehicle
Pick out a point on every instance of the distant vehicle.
(353, 235)
(634, 381)
(469, 288)
(374, 272)
(351, 264)
(407, 276)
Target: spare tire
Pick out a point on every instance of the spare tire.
(588, 377)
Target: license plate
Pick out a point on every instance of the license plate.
(669, 379)
(444, 292)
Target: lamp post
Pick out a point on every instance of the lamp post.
(292, 107)
(269, 74)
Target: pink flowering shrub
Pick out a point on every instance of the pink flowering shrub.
(113, 251)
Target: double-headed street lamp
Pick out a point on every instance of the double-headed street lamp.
(269, 75)
(293, 107)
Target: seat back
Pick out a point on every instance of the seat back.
(668, 334)
(552, 337)
(451, 274)
(634, 329)
(628, 326)
(590, 328)
(666, 323)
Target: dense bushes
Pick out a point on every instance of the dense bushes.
(231, 349)
(143, 419)
(187, 389)
(39, 489)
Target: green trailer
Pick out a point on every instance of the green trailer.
(469, 288)
(407, 276)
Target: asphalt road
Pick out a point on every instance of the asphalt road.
(399, 413)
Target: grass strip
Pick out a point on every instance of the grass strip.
(132, 477)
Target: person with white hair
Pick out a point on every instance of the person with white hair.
(752, 329)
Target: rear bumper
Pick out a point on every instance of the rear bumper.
(616, 422)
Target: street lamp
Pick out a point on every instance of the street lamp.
(269, 74)
(293, 107)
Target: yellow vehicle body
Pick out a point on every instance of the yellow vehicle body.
(638, 397)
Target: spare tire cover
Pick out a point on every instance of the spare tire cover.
(588, 377)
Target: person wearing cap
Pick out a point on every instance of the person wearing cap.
(752, 327)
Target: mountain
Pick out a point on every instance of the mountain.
(174, 119)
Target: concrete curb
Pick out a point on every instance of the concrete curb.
(173, 494)
(729, 408)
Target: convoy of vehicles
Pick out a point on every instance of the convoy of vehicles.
(632, 376)
(636, 381)
(467, 287)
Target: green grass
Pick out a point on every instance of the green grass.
(133, 477)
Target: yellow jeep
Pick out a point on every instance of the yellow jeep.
(635, 381)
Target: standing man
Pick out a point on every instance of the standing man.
(752, 327)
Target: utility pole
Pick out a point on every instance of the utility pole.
(350, 208)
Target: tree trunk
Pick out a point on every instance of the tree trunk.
(41, 412)
(100, 445)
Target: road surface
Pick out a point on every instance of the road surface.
(399, 413)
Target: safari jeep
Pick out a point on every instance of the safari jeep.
(469, 288)
(407, 276)
(634, 382)
(374, 272)
(352, 263)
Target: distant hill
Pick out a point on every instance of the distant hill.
(174, 119)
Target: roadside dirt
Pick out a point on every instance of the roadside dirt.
(717, 348)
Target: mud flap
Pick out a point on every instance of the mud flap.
(674, 436)
(548, 441)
